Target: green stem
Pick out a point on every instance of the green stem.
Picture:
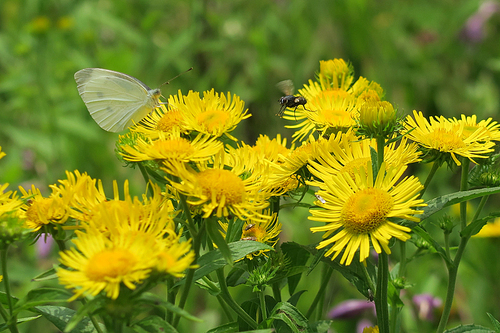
(463, 187)
(276, 291)
(195, 235)
(453, 268)
(452, 279)
(447, 244)
(169, 315)
(402, 262)
(12, 320)
(431, 174)
(381, 303)
(92, 318)
(61, 244)
(380, 153)
(262, 298)
(368, 278)
(6, 280)
(213, 287)
(187, 212)
(325, 278)
(226, 296)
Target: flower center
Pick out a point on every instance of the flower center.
(110, 264)
(222, 185)
(444, 140)
(212, 119)
(169, 120)
(173, 148)
(366, 210)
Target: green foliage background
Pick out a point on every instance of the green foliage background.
(415, 49)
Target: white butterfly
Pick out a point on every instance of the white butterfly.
(115, 100)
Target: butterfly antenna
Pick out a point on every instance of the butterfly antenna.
(175, 77)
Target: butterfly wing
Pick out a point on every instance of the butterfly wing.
(115, 100)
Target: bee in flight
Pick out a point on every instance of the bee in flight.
(289, 101)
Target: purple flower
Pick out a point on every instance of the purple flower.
(426, 304)
(350, 308)
(473, 30)
(44, 246)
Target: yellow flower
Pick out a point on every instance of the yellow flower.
(40, 211)
(85, 194)
(2, 154)
(171, 147)
(335, 74)
(490, 229)
(9, 202)
(214, 114)
(377, 118)
(333, 101)
(444, 136)
(357, 211)
(331, 111)
(348, 153)
(271, 150)
(98, 263)
(175, 257)
(266, 232)
(222, 188)
(471, 125)
(165, 119)
(371, 329)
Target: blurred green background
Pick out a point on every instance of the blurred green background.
(440, 57)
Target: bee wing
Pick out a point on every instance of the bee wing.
(286, 86)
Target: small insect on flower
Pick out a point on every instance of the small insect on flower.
(289, 101)
(320, 198)
(248, 227)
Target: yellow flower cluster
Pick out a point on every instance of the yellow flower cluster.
(119, 241)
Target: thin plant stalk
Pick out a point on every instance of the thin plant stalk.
(453, 271)
(325, 278)
(381, 300)
(12, 320)
(431, 174)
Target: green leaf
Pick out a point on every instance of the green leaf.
(4, 327)
(496, 324)
(213, 289)
(47, 275)
(213, 260)
(321, 326)
(436, 204)
(477, 225)
(353, 272)
(298, 256)
(153, 300)
(153, 324)
(212, 227)
(226, 328)
(234, 230)
(294, 299)
(236, 276)
(60, 316)
(374, 158)
(292, 317)
(435, 245)
(89, 307)
(469, 329)
(42, 296)
(3, 299)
